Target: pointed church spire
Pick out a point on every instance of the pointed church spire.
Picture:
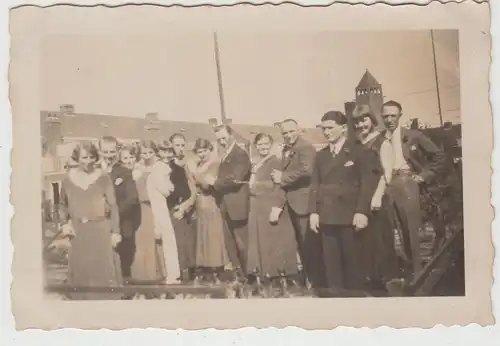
(368, 81)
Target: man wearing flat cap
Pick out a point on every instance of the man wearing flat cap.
(344, 179)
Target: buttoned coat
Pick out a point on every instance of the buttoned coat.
(343, 185)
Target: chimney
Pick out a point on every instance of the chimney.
(414, 124)
(228, 122)
(277, 124)
(152, 117)
(212, 122)
(349, 109)
(67, 109)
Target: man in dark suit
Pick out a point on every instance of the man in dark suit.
(127, 201)
(417, 162)
(344, 180)
(295, 180)
(233, 195)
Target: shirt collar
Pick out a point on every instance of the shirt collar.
(337, 146)
(229, 149)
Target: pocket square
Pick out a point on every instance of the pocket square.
(118, 181)
(413, 147)
(348, 163)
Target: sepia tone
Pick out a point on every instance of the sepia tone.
(253, 83)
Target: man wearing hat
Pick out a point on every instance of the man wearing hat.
(344, 179)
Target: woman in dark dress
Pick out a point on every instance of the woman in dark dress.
(376, 242)
(92, 223)
(272, 248)
(181, 203)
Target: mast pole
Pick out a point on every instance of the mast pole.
(219, 80)
(436, 78)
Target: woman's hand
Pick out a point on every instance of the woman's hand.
(67, 230)
(115, 239)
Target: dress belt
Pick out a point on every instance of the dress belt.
(402, 171)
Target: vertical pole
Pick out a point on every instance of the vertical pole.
(436, 77)
(219, 80)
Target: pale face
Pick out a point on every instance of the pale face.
(332, 131)
(127, 159)
(391, 116)
(364, 126)
(166, 155)
(86, 161)
(203, 154)
(147, 155)
(179, 145)
(109, 151)
(224, 138)
(263, 146)
(289, 131)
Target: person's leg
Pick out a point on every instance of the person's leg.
(239, 229)
(332, 256)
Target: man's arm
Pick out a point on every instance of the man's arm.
(240, 172)
(315, 185)
(436, 163)
(306, 156)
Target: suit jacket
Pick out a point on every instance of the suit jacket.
(297, 171)
(233, 196)
(127, 199)
(343, 185)
(422, 155)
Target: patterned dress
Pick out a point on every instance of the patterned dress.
(90, 206)
(210, 245)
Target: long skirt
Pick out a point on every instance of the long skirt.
(210, 242)
(375, 245)
(92, 261)
(272, 248)
(149, 264)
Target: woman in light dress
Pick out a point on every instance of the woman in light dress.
(155, 258)
(92, 223)
(211, 250)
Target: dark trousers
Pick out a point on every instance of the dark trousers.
(340, 257)
(310, 250)
(405, 195)
(236, 239)
(185, 236)
(126, 251)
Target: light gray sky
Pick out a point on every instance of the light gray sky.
(266, 76)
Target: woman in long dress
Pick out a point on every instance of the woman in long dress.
(376, 242)
(92, 222)
(211, 250)
(148, 265)
(272, 248)
(159, 186)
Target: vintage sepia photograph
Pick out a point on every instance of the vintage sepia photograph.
(247, 165)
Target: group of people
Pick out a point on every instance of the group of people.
(148, 214)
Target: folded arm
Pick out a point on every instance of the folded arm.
(436, 158)
(240, 172)
(304, 169)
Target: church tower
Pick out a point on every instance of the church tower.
(369, 92)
